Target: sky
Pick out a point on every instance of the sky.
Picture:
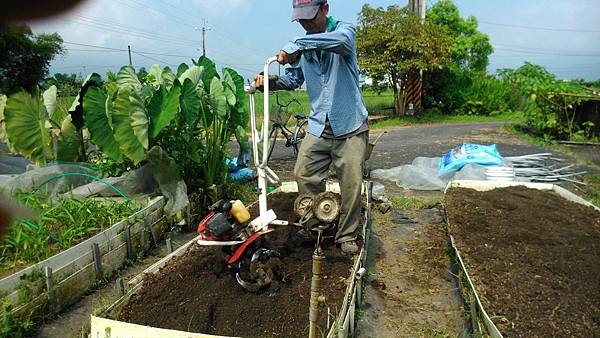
(561, 35)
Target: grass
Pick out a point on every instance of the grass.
(243, 191)
(412, 203)
(373, 101)
(592, 190)
(428, 117)
(59, 225)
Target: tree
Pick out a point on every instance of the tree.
(445, 87)
(67, 84)
(471, 48)
(25, 56)
(392, 43)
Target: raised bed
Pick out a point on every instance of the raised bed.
(68, 275)
(197, 270)
(528, 258)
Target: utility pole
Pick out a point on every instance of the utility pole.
(414, 88)
(129, 51)
(203, 29)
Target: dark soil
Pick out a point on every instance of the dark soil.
(197, 293)
(533, 257)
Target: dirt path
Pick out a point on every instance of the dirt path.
(409, 291)
(70, 322)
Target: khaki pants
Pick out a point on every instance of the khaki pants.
(348, 156)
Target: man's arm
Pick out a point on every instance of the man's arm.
(340, 41)
(292, 79)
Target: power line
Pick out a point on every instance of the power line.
(539, 28)
(526, 52)
(128, 28)
(154, 59)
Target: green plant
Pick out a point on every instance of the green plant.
(12, 327)
(35, 122)
(60, 224)
(31, 285)
(549, 105)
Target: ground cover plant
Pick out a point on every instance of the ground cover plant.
(59, 224)
(532, 256)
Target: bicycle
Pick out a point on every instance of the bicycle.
(294, 137)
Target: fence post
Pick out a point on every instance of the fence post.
(97, 260)
(169, 245)
(128, 243)
(120, 286)
(50, 288)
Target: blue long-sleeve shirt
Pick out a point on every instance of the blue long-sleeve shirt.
(329, 67)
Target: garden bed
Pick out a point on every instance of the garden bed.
(194, 292)
(531, 255)
(48, 286)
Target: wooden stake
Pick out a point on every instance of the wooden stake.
(50, 288)
(120, 286)
(128, 242)
(169, 245)
(97, 260)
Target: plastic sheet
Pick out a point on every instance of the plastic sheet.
(422, 174)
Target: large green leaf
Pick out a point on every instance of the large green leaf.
(181, 69)
(124, 134)
(239, 116)
(209, 72)
(26, 117)
(194, 74)
(168, 78)
(229, 94)
(139, 119)
(76, 110)
(163, 108)
(238, 82)
(218, 100)
(127, 77)
(154, 76)
(98, 107)
(49, 97)
(189, 102)
(69, 142)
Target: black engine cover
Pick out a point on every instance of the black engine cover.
(219, 225)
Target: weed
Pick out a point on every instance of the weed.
(60, 224)
(243, 191)
(412, 203)
(30, 286)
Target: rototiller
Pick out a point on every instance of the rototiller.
(228, 224)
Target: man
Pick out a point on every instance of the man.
(337, 129)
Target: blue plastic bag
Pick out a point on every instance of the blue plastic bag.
(469, 154)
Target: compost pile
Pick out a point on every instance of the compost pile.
(197, 293)
(534, 258)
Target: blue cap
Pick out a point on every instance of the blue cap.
(306, 9)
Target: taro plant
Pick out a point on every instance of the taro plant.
(190, 115)
(34, 125)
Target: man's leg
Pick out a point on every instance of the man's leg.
(348, 158)
(312, 165)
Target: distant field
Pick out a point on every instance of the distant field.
(373, 101)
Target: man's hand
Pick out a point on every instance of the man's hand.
(285, 58)
(259, 81)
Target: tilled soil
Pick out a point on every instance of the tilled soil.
(533, 257)
(197, 293)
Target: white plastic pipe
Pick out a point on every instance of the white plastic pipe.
(262, 184)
